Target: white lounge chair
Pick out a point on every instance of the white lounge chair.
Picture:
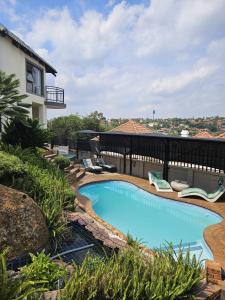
(90, 167)
(161, 185)
(211, 197)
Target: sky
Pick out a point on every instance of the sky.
(128, 58)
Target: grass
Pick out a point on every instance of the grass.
(134, 242)
(130, 275)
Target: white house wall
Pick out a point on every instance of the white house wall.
(13, 61)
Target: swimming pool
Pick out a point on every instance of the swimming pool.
(153, 219)
(70, 155)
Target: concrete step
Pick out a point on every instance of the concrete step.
(80, 174)
(75, 170)
(68, 169)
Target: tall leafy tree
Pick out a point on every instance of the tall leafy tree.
(11, 101)
(92, 121)
(65, 128)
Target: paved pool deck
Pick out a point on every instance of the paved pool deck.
(214, 235)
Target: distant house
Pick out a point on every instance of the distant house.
(204, 134)
(184, 133)
(18, 58)
(131, 127)
(221, 136)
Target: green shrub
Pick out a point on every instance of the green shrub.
(130, 275)
(17, 288)
(28, 172)
(27, 134)
(11, 169)
(62, 162)
(29, 155)
(44, 269)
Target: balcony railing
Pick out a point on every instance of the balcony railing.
(54, 96)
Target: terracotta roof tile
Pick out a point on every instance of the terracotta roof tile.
(221, 136)
(204, 134)
(131, 127)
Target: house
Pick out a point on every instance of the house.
(18, 58)
(221, 136)
(131, 127)
(184, 133)
(203, 134)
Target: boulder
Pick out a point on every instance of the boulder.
(22, 224)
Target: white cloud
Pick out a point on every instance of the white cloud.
(110, 3)
(137, 57)
(176, 83)
(8, 8)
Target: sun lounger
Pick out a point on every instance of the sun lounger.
(211, 197)
(161, 185)
(90, 167)
(110, 168)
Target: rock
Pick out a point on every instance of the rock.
(22, 224)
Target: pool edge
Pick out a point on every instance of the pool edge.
(211, 233)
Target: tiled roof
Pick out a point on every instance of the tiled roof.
(221, 136)
(131, 127)
(204, 134)
(27, 49)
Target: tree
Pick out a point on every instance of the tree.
(92, 121)
(28, 135)
(11, 105)
(64, 129)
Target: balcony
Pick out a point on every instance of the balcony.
(54, 97)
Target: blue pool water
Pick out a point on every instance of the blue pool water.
(70, 155)
(153, 219)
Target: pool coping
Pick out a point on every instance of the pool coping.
(214, 235)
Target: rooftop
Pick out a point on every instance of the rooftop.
(221, 136)
(204, 134)
(16, 41)
(131, 127)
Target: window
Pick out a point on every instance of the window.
(34, 78)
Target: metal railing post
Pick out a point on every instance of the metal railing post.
(131, 150)
(166, 160)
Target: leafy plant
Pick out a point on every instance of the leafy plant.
(133, 242)
(52, 207)
(131, 275)
(62, 162)
(44, 269)
(27, 135)
(11, 169)
(16, 288)
(11, 105)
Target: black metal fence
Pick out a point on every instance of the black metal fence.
(54, 94)
(83, 145)
(202, 154)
